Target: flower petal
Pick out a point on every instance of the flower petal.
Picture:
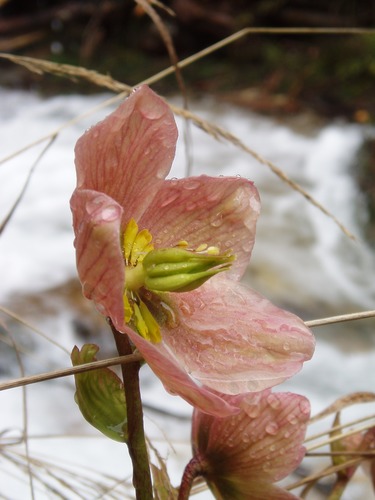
(128, 155)
(247, 452)
(219, 211)
(177, 381)
(100, 264)
(233, 340)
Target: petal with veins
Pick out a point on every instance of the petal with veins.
(100, 264)
(220, 212)
(233, 340)
(128, 155)
(245, 453)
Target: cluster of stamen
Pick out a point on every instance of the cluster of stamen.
(136, 245)
(150, 272)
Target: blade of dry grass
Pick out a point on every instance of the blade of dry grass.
(344, 402)
(28, 325)
(70, 71)
(25, 424)
(116, 361)
(24, 187)
(168, 42)
(42, 377)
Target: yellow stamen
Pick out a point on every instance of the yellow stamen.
(182, 243)
(141, 246)
(201, 247)
(128, 308)
(145, 323)
(173, 269)
(130, 235)
(152, 326)
(212, 251)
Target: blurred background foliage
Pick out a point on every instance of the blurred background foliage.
(331, 74)
(328, 75)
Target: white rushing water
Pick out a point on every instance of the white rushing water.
(301, 261)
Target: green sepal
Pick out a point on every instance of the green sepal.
(100, 395)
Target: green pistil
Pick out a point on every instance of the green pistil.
(176, 269)
(134, 277)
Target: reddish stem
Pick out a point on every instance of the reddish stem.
(192, 470)
(136, 436)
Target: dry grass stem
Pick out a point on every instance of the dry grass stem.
(38, 65)
(326, 472)
(42, 377)
(344, 402)
(28, 325)
(339, 427)
(56, 479)
(11, 384)
(363, 454)
(24, 187)
(340, 319)
(332, 439)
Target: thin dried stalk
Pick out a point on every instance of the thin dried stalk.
(24, 187)
(42, 377)
(215, 131)
(332, 439)
(111, 362)
(344, 402)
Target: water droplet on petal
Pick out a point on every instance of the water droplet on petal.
(272, 428)
(230, 442)
(266, 466)
(169, 198)
(191, 184)
(217, 220)
(186, 308)
(247, 246)
(245, 437)
(253, 411)
(190, 205)
(304, 407)
(273, 401)
(213, 196)
(112, 213)
(292, 419)
(286, 346)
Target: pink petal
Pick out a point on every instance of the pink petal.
(218, 211)
(260, 445)
(233, 340)
(128, 155)
(177, 381)
(100, 264)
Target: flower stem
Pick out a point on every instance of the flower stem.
(192, 470)
(136, 436)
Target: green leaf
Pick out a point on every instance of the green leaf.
(100, 395)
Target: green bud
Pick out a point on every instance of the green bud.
(180, 270)
(100, 395)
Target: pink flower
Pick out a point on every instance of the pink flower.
(242, 455)
(140, 237)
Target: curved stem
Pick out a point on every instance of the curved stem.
(192, 470)
(136, 436)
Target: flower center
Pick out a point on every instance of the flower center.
(175, 269)
(136, 245)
